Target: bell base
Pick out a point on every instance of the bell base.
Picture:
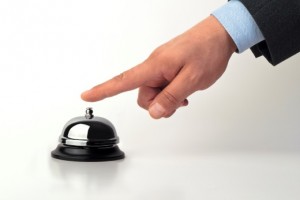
(87, 154)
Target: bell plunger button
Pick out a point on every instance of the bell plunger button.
(89, 113)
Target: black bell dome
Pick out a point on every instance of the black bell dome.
(88, 138)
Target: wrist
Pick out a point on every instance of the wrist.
(221, 35)
(211, 31)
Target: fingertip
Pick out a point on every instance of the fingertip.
(83, 95)
(86, 96)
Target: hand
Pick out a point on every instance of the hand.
(190, 62)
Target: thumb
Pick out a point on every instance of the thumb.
(171, 97)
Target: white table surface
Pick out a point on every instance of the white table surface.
(144, 176)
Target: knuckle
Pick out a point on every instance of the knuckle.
(120, 77)
(141, 103)
(203, 87)
(170, 98)
(158, 55)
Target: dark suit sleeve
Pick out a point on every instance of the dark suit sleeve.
(279, 22)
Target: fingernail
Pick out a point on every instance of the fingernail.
(157, 111)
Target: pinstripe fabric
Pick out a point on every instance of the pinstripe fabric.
(279, 22)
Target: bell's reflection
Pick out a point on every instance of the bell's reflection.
(89, 175)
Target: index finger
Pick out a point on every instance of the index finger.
(128, 80)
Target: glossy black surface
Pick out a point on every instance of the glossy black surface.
(83, 154)
(88, 138)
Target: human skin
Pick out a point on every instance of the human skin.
(190, 62)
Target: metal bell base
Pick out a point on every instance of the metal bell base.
(87, 154)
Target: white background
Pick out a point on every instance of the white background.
(237, 140)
